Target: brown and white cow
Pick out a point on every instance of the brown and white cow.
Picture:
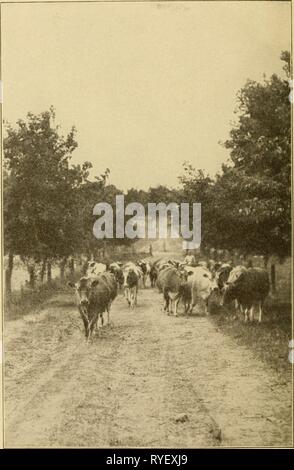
(93, 298)
(170, 282)
(131, 274)
(201, 285)
(145, 268)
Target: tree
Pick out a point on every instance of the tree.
(40, 197)
(247, 206)
(260, 149)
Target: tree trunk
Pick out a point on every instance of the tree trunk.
(49, 272)
(32, 278)
(62, 268)
(8, 274)
(72, 267)
(273, 278)
(42, 272)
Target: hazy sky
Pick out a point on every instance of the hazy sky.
(148, 85)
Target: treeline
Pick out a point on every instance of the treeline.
(48, 201)
(247, 206)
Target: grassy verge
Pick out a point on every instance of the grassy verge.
(23, 302)
(269, 339)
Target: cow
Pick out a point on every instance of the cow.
(93, 298)
(116, 269)
(145, 268)
(131, 274)
(94, 269)
(153, 274)
(163, 263)
(170, 281)
(201, 284)
(222, 274)
(249, 287)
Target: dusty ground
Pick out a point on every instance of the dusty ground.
(131, 384)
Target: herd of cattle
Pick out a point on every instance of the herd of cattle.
(190, 283)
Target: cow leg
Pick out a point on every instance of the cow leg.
(92, 324)
(167, 301)
(127, 295)
(206, 307)
(85, 322)
(133, 299)
(166, 306)
(108, 313)
(190, 308)
(176, 301)
(193, 302)
(88, 332)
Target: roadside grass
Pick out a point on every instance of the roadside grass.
(268, 339)
(25, 301)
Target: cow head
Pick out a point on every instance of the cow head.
(222, 275)
(230, 287)
(83, 290)
(116, 270)
(130, 278)
(143, 266)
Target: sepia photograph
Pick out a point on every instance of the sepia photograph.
(146, 226)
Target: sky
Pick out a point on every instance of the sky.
(147, 85)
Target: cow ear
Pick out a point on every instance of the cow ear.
(95, 282)
(71, 284)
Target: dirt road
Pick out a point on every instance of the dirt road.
(133, 384)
